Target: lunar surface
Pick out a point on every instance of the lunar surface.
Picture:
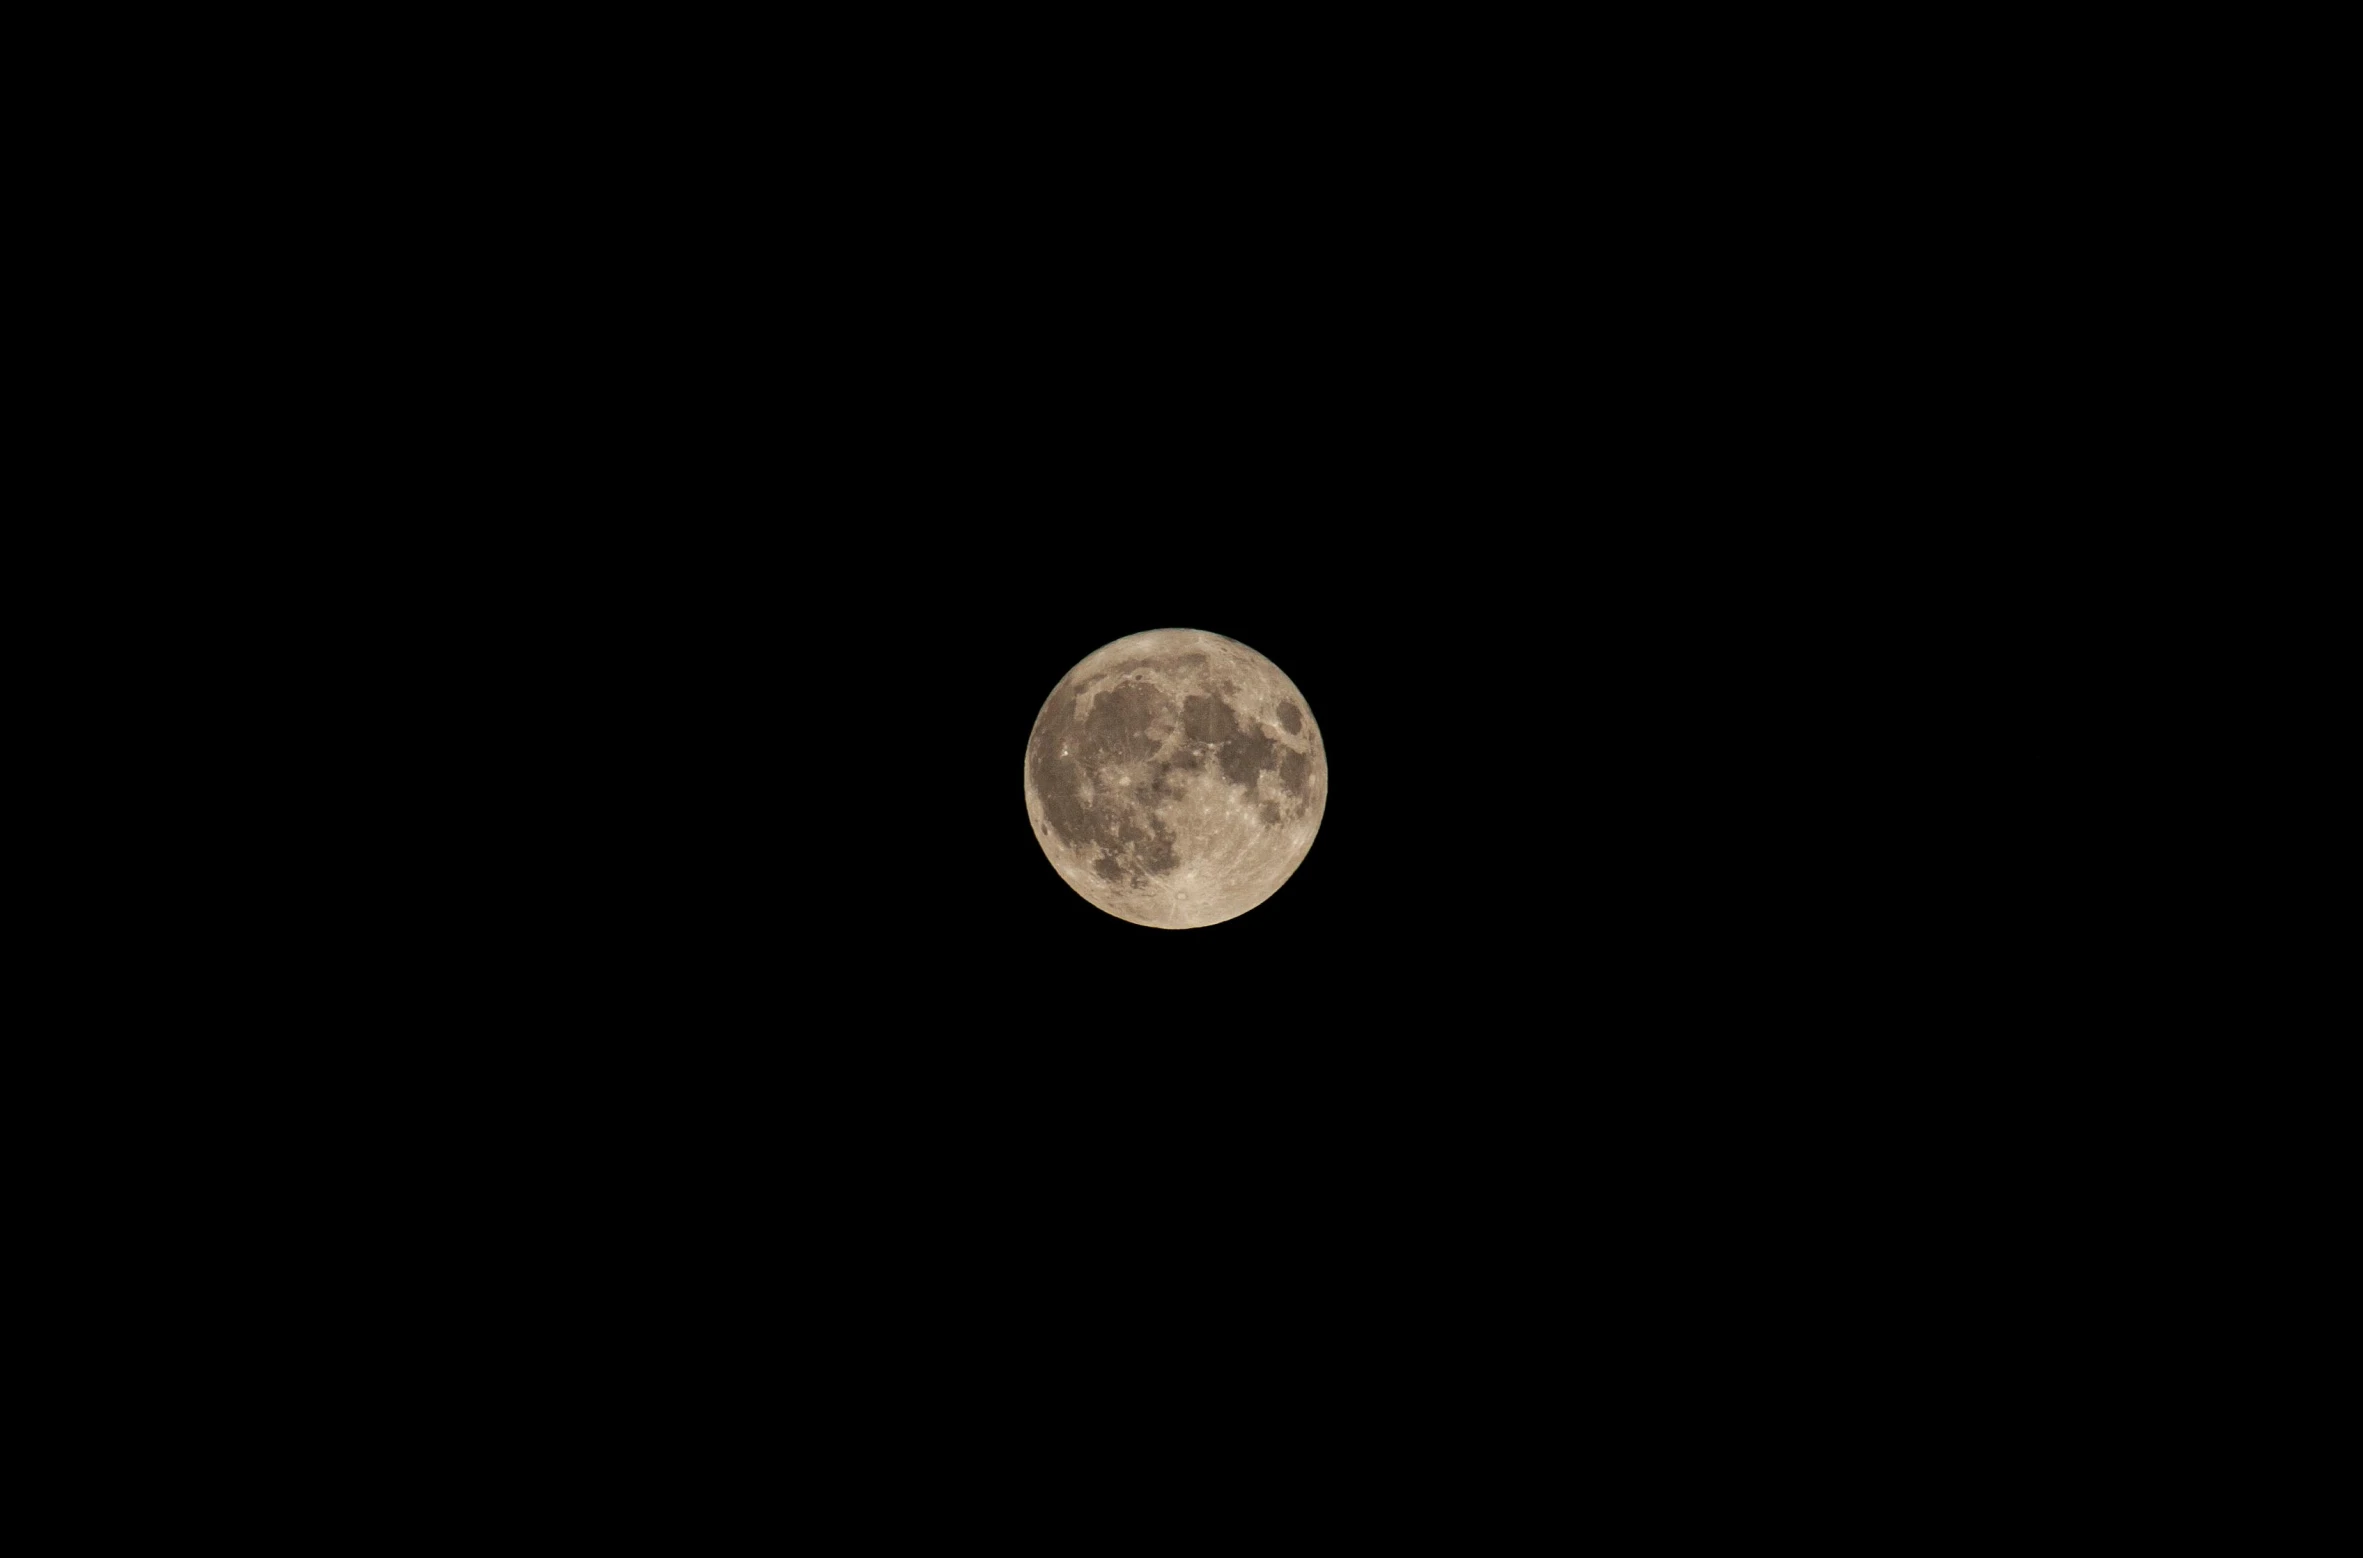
(1176, 778)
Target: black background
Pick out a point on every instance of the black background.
(1610, 658)
(1590, 969)
(1613, 827)
(754, 538)
(709, 481)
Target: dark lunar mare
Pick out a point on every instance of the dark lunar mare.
(1247, 754)
(1115, 729)
(1243, 753)
(1208, 719)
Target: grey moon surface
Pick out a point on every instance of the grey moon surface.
(1176, 778)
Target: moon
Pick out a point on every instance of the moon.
(1176, 778)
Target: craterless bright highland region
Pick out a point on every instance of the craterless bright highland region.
(1176, 778)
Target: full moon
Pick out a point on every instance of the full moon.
(1176, 778)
